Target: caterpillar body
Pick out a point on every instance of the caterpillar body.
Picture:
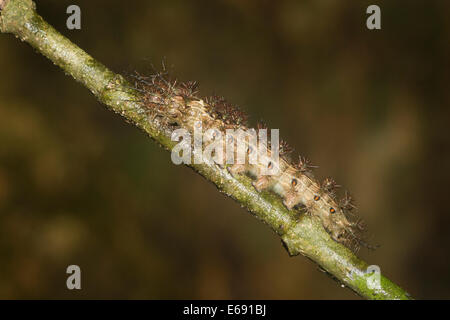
(178, 105)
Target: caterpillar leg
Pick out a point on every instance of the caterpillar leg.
(262, 183)
(236, 169)
(291, 200)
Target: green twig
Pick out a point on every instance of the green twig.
(304, 236)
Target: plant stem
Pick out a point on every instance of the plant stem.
(304, 235)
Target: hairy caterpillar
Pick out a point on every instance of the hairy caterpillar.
(177, 104)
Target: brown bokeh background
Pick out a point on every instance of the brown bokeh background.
(80, 186)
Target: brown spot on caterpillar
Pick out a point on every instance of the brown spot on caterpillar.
(316, 198)
(270, 165)
(332, 210)
(294, 182)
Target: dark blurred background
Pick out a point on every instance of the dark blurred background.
(80, 186)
